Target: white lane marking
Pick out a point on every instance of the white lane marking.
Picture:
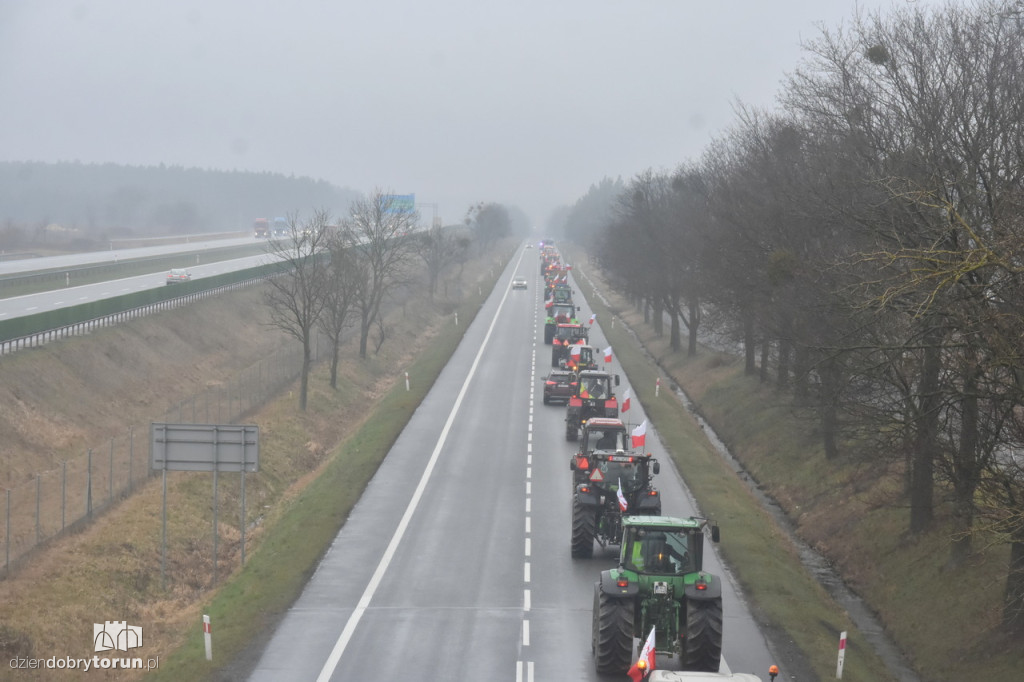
(526, 632)
(519, 671)
(528, 484)
(527, 549)
(527, 505)
(371, 587)
(529, 459)
(526, 600)
(526, 572)
(529, 472)
(527, 524)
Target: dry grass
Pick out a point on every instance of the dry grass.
(946, 620)
(89, 389)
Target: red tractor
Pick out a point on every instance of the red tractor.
(610, 480)
(594, 397)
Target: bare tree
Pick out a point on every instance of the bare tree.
(440, 247)
(344, 280)
(381, 236)
(296, 297)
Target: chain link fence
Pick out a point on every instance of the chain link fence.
(64, 499)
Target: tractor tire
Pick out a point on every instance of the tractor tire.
(702, 649)
(571, 432)
(612, 633)
(584, 524)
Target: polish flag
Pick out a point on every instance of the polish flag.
(623, 505)
(593, 317)
(640, 435)
(574, 352)
(645, 661)
(608, 354)
(625, 401)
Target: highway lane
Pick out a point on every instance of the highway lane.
(477, 580)
(27, 265)
(30, 304)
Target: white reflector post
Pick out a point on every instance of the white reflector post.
(842, 655)
(208, 637)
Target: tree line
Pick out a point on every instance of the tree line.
(864, 244)
(94, 202)
(337, 276)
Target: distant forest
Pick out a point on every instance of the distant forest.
(77, 205)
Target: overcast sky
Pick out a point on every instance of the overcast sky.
(522, 102)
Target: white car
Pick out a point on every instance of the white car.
(674, 676)
(177, 275)
(519, 283)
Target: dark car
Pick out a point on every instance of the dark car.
(559, 385)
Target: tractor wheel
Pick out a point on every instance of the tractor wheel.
(703, 645)
(571, 432)
(612, 634)
(584, 522)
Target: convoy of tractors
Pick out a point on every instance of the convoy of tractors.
(659, 585)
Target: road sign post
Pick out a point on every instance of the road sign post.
(203, 447)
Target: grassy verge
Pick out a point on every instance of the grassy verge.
(945, 618)
(759, 554)
(303, 528)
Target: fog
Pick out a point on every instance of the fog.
(525, 103)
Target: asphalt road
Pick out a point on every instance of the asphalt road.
(30, 304)
(26, 265)
(455, 563)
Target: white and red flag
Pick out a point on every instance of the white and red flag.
(625, 401)
(645, 661)
(575, 352)
(640, 435)
(623, 505)
(593, 316)
(608, 354)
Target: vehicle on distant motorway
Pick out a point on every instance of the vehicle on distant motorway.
(519, 283)
(178, 275)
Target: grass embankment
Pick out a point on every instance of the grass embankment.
(306, 524)
(313, 468)
(946, 620)
(784, 596)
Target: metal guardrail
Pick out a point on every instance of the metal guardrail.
(85, 326)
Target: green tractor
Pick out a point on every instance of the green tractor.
(610, 481)
(660, 584)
